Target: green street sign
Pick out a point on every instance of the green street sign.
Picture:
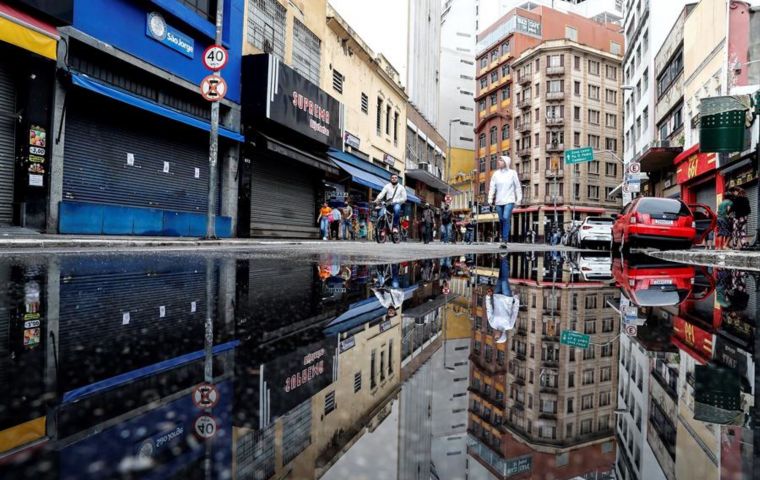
(579, 155)
(574, 339)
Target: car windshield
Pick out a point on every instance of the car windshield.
(663, 206)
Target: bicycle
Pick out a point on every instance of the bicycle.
(384, 224)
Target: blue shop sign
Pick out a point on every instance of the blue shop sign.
(157, 29)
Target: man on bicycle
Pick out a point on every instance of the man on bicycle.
(395, 193)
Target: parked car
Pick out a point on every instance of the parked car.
(595, 266)
(661, 223)
(648, 282)
(596, 231)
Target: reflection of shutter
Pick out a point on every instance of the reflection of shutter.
(6, 370)
(7, 142)
(283, 198)
(296, 431)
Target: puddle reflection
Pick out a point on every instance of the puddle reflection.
(521, 365)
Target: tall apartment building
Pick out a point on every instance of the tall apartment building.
(604, 11)
(646, 26)
(589, 57)
(538, 406)
(423, 62)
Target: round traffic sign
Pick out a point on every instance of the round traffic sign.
(205, 395)
(205, 427)
(213, 88)
(634, 167)
(447, 198)
(446, 290)
(631, 330)
(215, 57)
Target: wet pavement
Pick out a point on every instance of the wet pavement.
(261, 367)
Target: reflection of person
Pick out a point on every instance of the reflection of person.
(505, 191)
(390, 298)
(501, 306)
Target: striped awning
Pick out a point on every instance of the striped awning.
(21, 29)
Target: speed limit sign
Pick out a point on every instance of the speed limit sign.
(205, 427)
(215, 58)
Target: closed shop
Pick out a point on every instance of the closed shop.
(743, 173)
(705, 194)
(290, 123)
(7, 143)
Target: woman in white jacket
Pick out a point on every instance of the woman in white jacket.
(505, 191)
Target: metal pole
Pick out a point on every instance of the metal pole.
(213, 151)
(555, 193)
(448, 161)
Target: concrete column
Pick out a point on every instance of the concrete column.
(57, 142)
(52, 358)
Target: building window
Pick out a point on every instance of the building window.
(387, 119)
(593, 142)
(484, 82)
(306, 52)
(504, 70)
(576, 139)
(593, 117)
(390, 356)
(382, 365)
(372, 378)
(204, 8)
(493, 167)
(493, 99)
(593, 92)
(610, 120)
(481, 105)
(610, 72)
(495, 76)
(593, 68)
(329, 402)
(571, 380)
(588, 377)
(554, 86)
(607, 350)
(586, 425)
(610, 144)
(587, 402)
(395, 128)
(614, 48)
(266, 26)
(482, 168)
(610, 96)
(669, 73)
(365, 103)
(610, 169)
(505, 132)
(577, 63)
(571, 33)
(379, 119)
(577, 88)
(484, 62)
(482, 140)
(577, 114)
(570, 406)
(605, 375)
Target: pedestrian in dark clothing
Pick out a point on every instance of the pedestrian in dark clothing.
(741, 211)
(428, 223)
(446, 227)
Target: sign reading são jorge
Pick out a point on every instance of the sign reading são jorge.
(159, 30)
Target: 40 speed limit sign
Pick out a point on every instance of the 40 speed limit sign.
(205, 427)
(215, 57)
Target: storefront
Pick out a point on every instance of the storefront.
(27, 66)
(135, 147)
(290, 123)
(743, 172)
(697, 174)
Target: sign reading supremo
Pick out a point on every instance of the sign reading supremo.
(279, 94)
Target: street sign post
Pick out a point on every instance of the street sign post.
(572, 338)
(215, 58)
(579, 155)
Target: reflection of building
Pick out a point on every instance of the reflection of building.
(542, 407)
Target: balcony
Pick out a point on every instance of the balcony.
(555, 147)
(555, 121)
(524, 103)
(554, 173)
(524, 79)
(550, 362)
(549, 199)
(523, 127)
(558, 70)
(524, 152)
(554, 96)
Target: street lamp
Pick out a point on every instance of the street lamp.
(448, 158)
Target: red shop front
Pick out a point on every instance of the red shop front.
(697, 174)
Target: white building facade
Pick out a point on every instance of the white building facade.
(424, 57)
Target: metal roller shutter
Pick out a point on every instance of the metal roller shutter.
(7, 143)
(706, 195)
(283, 198)
(752, 223)
(100, 135)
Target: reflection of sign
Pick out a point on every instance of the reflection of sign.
(485, 209)
(574, 339)
(630, 314)
(205, 395)
(215, 57)
(36, 180)
(37, 151)
(518, 465)
(148, 448)
(384, 326)
(347, 344)
(631, 330)
(446, 290)
(205, 427)
(157, 29)
(632, 188)
(213, 88)
(37, 137)
(448, 199)
(352, 140)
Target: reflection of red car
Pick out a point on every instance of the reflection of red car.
(653, 284)
(661, 222)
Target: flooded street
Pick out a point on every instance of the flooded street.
(543, 365)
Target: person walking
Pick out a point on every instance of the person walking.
(469, 230)
(395, 193)
(325, 213)
(335, 217)
(502, 306)
(505, 192)
(347, 215)
(428, 223)
(741, 211)
(725, 221)
(446, 228)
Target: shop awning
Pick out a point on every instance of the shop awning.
(299, 155)
(27, 32)
(422, 175)
(361, 312)
(616, 192)
(360, 176)
(86, 82)
(526, 209)
(411, 197)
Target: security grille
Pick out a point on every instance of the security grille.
(255, 455)
(266, 26)
(204, 8)
(357, 381)
(296, 431)
(306, 52)
(329, 402)
(365, 103)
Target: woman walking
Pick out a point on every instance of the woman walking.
(505, 191)
(725, 221)
(741, 211)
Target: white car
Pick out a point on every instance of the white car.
(595, 266)
(595, 231)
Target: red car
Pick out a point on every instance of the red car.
(661, 223)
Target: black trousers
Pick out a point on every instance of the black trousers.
(427, 232)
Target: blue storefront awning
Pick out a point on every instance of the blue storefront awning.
(411, 197)
(360, 176)
(361, 312)
(86, 82)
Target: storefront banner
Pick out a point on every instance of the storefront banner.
(695, 165)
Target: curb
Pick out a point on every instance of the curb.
(729, 259)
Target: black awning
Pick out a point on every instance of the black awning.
(322, 163)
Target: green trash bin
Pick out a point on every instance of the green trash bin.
(722, 123)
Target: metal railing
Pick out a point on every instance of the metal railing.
(556, 70)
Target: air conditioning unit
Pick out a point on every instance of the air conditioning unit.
(424, 166)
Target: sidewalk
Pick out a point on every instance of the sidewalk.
(720, 258)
